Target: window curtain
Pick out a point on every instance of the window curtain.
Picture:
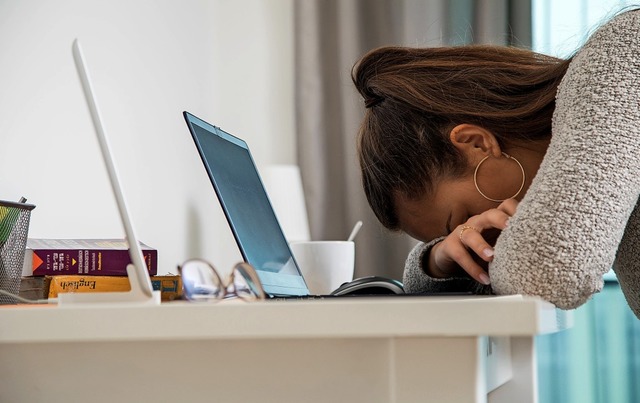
(598, 359)
(330, 36)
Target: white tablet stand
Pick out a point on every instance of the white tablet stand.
(141, 290)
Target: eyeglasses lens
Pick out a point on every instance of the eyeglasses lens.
(200, 282)
(246, 282)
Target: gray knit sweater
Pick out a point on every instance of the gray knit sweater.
(580, 216)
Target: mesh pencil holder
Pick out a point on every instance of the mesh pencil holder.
(14, 229)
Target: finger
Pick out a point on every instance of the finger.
(509, 206)
(462, 257)
(493, 218)
(472, 239)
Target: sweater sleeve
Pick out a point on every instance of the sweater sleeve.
(415, 280)
(567, 228)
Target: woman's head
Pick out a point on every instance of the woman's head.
(416, 97)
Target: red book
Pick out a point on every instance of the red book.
(96, 257)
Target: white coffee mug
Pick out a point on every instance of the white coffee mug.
(325, 265)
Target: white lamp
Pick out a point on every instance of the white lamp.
(284, 187)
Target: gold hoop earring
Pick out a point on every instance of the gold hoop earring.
(475, 179)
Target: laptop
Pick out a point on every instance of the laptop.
(253, 221)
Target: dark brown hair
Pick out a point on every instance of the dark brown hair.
(415, 96)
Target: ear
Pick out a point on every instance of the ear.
(474, 142)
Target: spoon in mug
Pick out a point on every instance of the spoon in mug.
(354, 231)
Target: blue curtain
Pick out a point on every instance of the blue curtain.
(596, 361)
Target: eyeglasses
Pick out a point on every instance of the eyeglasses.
(201, 282)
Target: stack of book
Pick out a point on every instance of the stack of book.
(53, 266)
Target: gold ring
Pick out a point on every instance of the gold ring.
(466, 227)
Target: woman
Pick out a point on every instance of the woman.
(455, 140)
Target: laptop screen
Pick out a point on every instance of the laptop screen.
(247, 208)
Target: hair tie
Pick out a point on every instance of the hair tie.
(371, 102)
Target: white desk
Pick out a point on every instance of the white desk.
(431, 349)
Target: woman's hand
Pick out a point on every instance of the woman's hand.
(469, 247)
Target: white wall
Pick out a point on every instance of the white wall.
(230, 62)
